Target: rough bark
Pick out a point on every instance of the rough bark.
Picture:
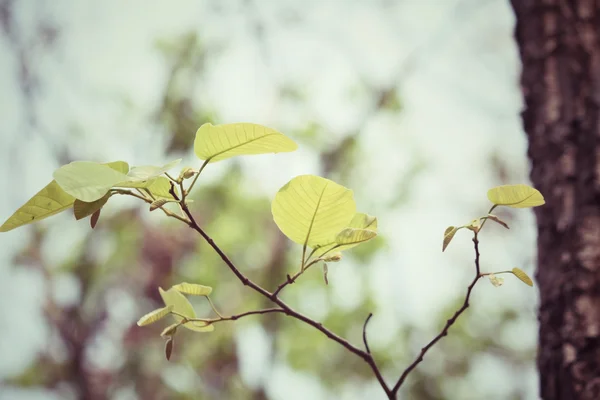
(559, 42)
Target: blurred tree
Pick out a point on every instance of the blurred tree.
(560, 48)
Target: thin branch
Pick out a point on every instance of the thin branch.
(365, 333)
(292, 279)
(189, 189)
(449, 323)
(287, 309)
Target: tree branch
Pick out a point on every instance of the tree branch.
(449, 323)
(365, 333)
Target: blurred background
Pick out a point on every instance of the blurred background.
(413, 104)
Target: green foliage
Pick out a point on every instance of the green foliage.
(181, 308)
(50, 201)
(448, 235)
(193, 289)
(154, 316)
(82, 209)
(522, 276)
(216, 143)
(516, 196)
(311, 210)
(47, 202)
(87, 181)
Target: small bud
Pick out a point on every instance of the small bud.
(187, 173)
(158, 203)
(496, 281)
(169, 348)
(169, 330)
(333, 257)
(474, 226)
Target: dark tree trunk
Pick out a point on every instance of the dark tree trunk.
(559, 43)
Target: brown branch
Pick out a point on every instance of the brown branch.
(287, 309)
(292, 279)
(449, 323)
(265, 311)
(365, 333)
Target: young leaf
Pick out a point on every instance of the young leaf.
(311, 210)
(82, 209)
(216, 143)
(522, 276)
(182, 306)
(448, 235)
(47, 202)
(169, 347)
(516, 196)
(87, 181)
(94, 219)
(202, 326)
(161, 187)
(354, 236)
(193, 289)
(169, 330)
(154, 316)
(496, 280)
(498, 220)
(359, 221)
(335, 257)
(474, 226)
(325, 271)
(146, 172)
(158, 203)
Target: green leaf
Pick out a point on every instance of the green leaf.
(516, 196)
(160, 188)
(158, 203)
(87, 181)
(519, 273)
(154, 316)
(119, 166)
(182, 306)
(146, 172)
(47, 202)
(359, 221)
(354, 236)
(311, 210)
(193, 289)
(82, 209)
(169, 330)
(216, 143)
(448, 235)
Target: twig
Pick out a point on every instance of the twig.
(365, 333)
(292, 279)
(449, 323)
(287, 309)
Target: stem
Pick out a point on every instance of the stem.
(189, 189)
(287, 309)
(212, 305)
(489, 212)
(292, 279)
(449, 323)
(365, 333)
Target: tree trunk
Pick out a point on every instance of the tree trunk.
(559, 42)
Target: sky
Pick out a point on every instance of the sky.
(456, 69)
